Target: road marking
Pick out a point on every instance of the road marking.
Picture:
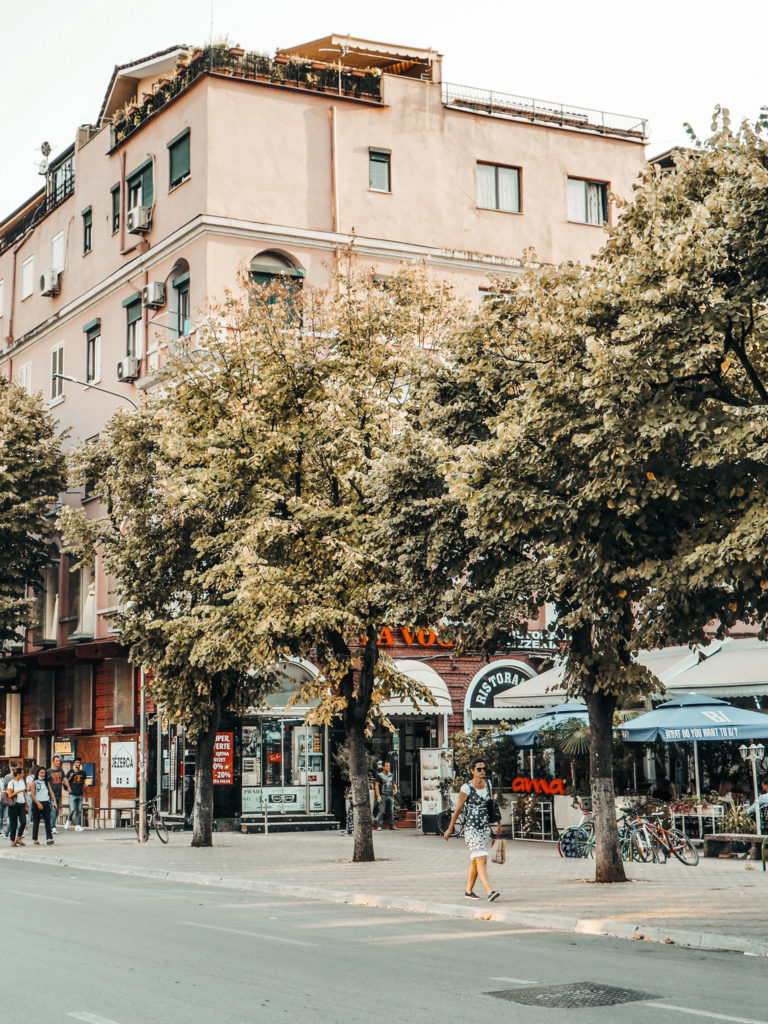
(516, 981)
(388, 940)
(707, 1013)
(253, 935)
(90, 1018)
(42, 896)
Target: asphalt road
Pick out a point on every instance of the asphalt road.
(105, 949)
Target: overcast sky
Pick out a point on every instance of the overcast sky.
(670, 61)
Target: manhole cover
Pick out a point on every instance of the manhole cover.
(582, 993)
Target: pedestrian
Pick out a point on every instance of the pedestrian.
(5, 817)
(477, 829)
(385, 788)
(762, 800)
(56, 779)
(17, 791)
(42, 797)
(75, 783)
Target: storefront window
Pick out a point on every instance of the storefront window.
(283, 766)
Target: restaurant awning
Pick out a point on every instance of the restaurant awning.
(426, 675)
(737, 668)
(668, 664)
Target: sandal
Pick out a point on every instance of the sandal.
(49, 842)
(37, 842)
(19, 843)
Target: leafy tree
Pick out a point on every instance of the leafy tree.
(166, 513)
(614, 419)
(31, 476)
(240, 507)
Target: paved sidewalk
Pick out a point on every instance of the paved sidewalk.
(720, 904)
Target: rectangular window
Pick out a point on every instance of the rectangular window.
(123, 706)
(87, 230)
(181, 302)
(81, 603)
(77, 685)
(25, 377)
(133, 328)
(57, 367)
(139, 185)
(40, 690)
(587, 201)
(27, 277)
(115, 193)
(178, 159)
(46, 608)
(93, 355)
(498, 187)
(57, 252)
(379, 170)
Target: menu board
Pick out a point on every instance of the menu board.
(436, 765)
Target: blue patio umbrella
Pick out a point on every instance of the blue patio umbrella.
(528, 735)
(695, 718)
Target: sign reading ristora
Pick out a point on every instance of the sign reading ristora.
(122, 765)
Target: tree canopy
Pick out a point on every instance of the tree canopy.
(32, 474)
(612, 458)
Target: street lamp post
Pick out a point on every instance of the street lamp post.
(96, 387)
(754, 753)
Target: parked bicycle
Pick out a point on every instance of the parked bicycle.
(444, 820)
(152, 819)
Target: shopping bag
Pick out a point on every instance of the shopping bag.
(499, 851)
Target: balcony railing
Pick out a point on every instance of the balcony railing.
(255, 67)
(56, 193)
(525, 108)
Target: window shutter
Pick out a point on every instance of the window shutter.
(179, 160)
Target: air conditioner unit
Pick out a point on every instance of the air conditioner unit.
(128, 368)
(138, 220)
(50, 282)
(153, 294)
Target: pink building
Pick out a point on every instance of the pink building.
(203, 164)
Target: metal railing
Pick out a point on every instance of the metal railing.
(503, 104)
(53, 198)
(251, 66)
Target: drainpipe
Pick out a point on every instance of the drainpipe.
(335, 218)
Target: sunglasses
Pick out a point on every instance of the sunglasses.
(479, 768)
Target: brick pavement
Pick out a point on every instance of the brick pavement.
(720, 904)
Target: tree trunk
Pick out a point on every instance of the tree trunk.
(361, 801)
(202, 811)
(355, 720)
(609, 866)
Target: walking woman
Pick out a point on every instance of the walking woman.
(477, 831)
(42, 795)
(17, 812)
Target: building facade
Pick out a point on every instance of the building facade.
(205, 165)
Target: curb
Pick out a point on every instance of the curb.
(582, 926)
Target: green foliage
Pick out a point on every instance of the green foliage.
(735, 819)
(31, 477)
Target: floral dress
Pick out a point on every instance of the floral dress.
(477, 828)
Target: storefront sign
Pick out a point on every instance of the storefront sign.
(65, 748)
(496, 678)
(401, 636)
(554, 787)
(222, 759)
(122, 765)
(288, 799)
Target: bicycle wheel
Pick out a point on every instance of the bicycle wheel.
(160, 828)
(642, 847)
(584, 841)
(682, 847)
(443, 821)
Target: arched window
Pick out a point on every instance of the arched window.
(272, 268)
